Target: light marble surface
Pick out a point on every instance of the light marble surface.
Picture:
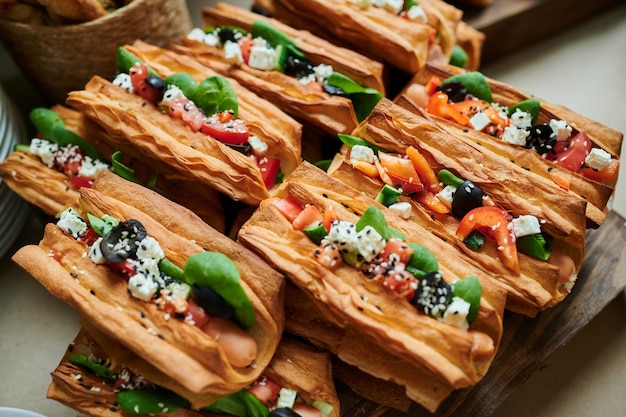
(581, 69)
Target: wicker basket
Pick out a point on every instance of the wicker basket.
(59, 59)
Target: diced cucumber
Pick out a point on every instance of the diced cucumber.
(21, 147)
(280, 57)
(325, 408)
(448, 178)
(475, 240)
(286, 398)
(388, 195)
(316, 232)
(180, 288)
(353, 258)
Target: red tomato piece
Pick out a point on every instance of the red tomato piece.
(309, 215)
(227, 130)
(573, 156)
(89, 237)
(138, 74)
(402, 282)
(429, 200)
(197, 313)
(187, 111)
(126, 268)
(398, 247)
(245, 44)
(493, 222)
(270, 167)
(68, 159)
(289, 207)
(431, 86)
(328, 256)
(330, 215)
(78, 181)
(266, 391)
(470, 107)
(605, 174)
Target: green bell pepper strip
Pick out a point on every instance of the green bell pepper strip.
(354, 140)
(51, 126)
(95, 367)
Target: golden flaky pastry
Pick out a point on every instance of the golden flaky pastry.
(294, 366)
(181, 352)
(447, 354)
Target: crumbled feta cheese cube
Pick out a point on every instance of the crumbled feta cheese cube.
(212, 39)
(142, 287)
(598, 159)
(394, 6)
(521, 119)
(369, 243)
(515, 136)
(196, 34)
(342, 234)
(257, 145)
(72, 223)
(95, 253)
(447, 195)
(123, 80)
(262, 57)
(362, 153)
(149, 248)
(307, 78)
(232, 52)
(479, 121)
(561, 129)
(171, 93)
(402, 209)
(262, 42)
(91, 167)
(379, 3)
(44, 149)
(456, 313)
(322, 72)
(526, 225)
(417, 14)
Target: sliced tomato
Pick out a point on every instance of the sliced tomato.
(68, 159)
(138, 74)
(401, 173)
(605, 174)
(493, 222)
(430, 201)
(289, 207)
(438, 105)
(328, 256)
(245, 44)
(226, 129)
(397, 247)
(266, 391)
(126, 268)
(309, 215)
(424, 170)
(89, 237)
(78, 181)
(187, 111)
(402, 282)
(270, 167)
(197, 314)
(573, 156)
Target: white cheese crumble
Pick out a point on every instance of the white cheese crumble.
(149, 248)
(479, 121)
(170, 94)
(402, 209)
(598, 159)
(72, 223)
(322, 72)
(92, 167)
(95, 253)
(526, 225)
(515, 136)
(369, 243)
(258, 146)
(232, 52)
(379, 3)
(394, 6)
(362, 153)
(417, 14)
(44, 149)
(342, 234)
(196, 34)
(561, 129)
(456, 313)
(142, 287)
(447, 195)
(123, 80)
(262, 57)
(521, 119)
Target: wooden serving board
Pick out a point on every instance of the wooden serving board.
(528, 343)
(511, 25)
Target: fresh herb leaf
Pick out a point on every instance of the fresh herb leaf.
(150, 401)
(531, 105)
(354, 140)
(538, 245)
(187, 84)
(122, 170)
(422, 261)
(95, 367)
(363, 99)
(459, 57)
(273, 36)
(171, 269)
(125, 61)
(475, 240)
(475, 82)
(215, 94)
(470, 290)
(448, 178)
(375, 218)
(239, 404)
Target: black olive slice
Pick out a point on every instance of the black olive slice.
(211, 302)
(542, 138)
(455, 91)
(466, 197)
(227, 34)
(433, 294)
(156, 82)
(122, 241)
(283, 412)
(244, 148)
(297, 67)
(333, 91)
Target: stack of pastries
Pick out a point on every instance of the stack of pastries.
(237, 214)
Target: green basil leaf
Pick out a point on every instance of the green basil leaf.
(255, 407)
(275, 37)
(232, 405)
(475, 240)
(470, 290)
(125, 61)
(215, 94)
(375, 218)
(187, 84)
(122, 170)
(323, 164)
(532, 106)
(459, 57)
(150, 401)
(363, 99)
(538, 245)
(475, 82)
(408, 4)
(422, 261)
(95, 367)
(44, 120)
(220, 273)
(354, 140)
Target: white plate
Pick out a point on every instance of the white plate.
(18, 412)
